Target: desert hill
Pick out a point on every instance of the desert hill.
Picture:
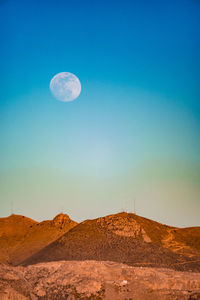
(20, 236)
(12, 231)
(125, 238)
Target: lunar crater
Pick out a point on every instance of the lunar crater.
(65, 86)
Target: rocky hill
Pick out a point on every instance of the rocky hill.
(76, 280)
(126, 238)
(21, 237)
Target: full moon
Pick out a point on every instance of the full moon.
(65, 86)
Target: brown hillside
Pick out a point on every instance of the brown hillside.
(123, 237)
(21, 237)
(12, 231)
(183, 240)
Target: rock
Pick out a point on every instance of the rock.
(96, 280)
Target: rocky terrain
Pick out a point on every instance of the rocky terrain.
(96, 280)
(21, 237)
(126, 238)
(121, 256)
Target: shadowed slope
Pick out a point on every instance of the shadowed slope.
(123, 237)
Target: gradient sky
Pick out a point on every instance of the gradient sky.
(133, 133)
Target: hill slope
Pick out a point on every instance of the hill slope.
(123, 237)
(12, 231)
(20, 237)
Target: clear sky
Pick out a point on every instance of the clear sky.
(133, 133)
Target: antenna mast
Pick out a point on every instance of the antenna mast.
(134, 208)
(11, 207)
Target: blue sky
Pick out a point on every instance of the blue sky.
(133, 133)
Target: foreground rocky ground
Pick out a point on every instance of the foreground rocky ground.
(96, 280)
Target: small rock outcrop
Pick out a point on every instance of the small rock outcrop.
(124, 226)
(62, 220)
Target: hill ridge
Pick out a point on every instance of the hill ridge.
(122, 237)
(21, 236)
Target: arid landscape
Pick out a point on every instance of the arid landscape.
(99, 150)
(120, 256)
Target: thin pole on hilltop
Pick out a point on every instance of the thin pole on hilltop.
(11, 207)
(134, 207)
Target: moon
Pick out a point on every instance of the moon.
(65, 86)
